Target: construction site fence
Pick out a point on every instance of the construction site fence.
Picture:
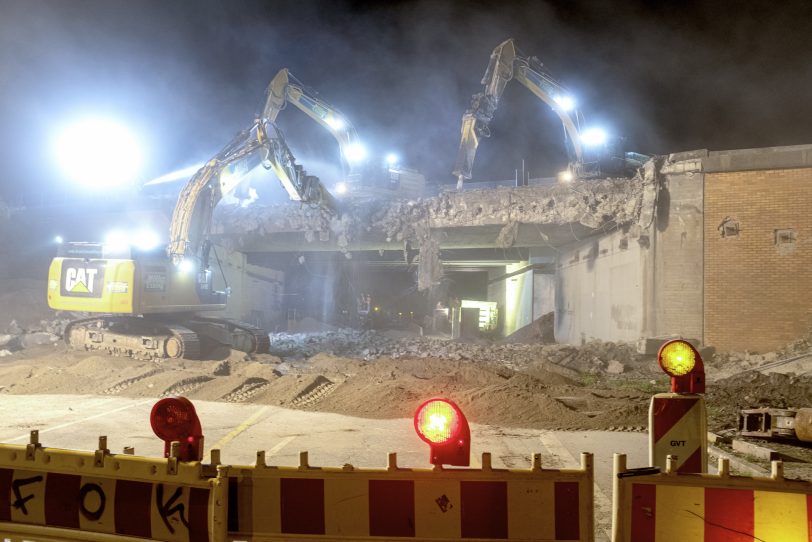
(52, 494)
(652, 506)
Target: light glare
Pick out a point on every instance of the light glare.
(98, 152)
(567, 103)
(186, 266)
(594, 137)
(678, 358)
(565, 176)
(356, 152)
(437, 421)
(341, 188)
(334, 123)
(177, 175)
(145, 240)
(117, 241)
(392, 159)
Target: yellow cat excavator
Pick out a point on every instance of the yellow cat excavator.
(151, 304)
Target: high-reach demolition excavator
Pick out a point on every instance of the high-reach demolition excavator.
(362, 178)
(147, 304)
(507, 64)
(285, 89)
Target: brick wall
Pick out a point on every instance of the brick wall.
(758, 295)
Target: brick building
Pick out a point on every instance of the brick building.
(727, 258)
(757, 248)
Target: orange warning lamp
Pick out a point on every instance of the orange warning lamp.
(682, 362)
(174, 419)
(441, 424)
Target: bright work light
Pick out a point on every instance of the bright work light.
(356, 152)
(334, 123)
(594, 137)
(567, 103)
(98, 152)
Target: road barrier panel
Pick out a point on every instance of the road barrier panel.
(654, 506)
(55, 494)
(270, 503)
(678, 427)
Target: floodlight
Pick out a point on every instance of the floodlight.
(98, 153)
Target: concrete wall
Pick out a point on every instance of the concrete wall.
(496, 292)
(599, 290)
(518, 298)
(543, 294)
(256, 292)
(676, 283)
(758, 282)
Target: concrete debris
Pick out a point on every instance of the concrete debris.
(592, 358)
(429, 265)
(542, 330)
(614, 367)
(595, 204)
(45, 332)
(507, 235)
(38, 338)
(4, 353)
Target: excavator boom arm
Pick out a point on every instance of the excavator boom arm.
(284, 89)
(504, 65)
(191, 218)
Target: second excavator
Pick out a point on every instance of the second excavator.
(507, 64)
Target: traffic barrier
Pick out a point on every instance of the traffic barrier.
(678, 427)
(54, 494)
(650, 506)
(348, 503)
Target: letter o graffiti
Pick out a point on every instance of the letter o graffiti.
(93, 515)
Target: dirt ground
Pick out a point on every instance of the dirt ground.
(535, 397)
(388, 374)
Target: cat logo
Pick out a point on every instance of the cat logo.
(82, 279)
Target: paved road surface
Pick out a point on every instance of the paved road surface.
(75, 422)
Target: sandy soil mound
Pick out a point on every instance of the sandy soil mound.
(519, 385)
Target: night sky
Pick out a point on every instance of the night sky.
(186, 76)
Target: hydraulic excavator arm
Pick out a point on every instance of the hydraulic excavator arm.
(506, 64)
(285, 88)
(262, 143)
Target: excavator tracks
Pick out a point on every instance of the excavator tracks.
(244, 337)
(152, 339)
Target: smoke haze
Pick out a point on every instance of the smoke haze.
(188, 75)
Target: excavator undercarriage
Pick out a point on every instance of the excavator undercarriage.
(156, 339)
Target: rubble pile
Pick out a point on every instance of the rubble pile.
(593, 204)
(755, 390)
(592, 358)
(413, 223)
(798, 350)
(15, 338)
